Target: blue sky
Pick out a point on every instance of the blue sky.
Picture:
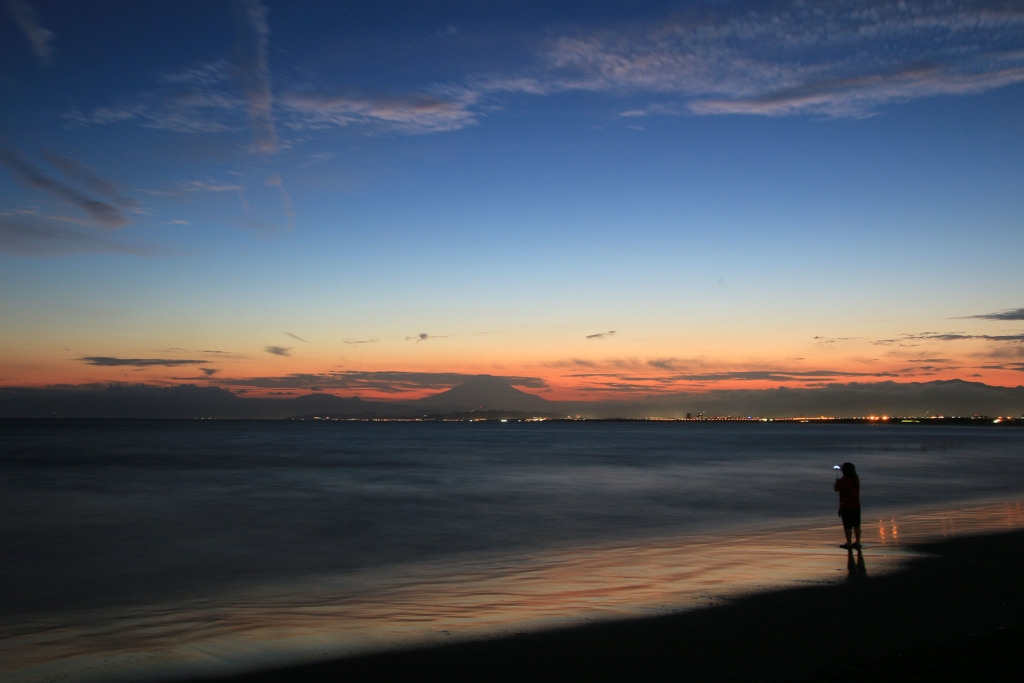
(650, 191)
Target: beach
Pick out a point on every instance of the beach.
(185, 550)
(955, 612)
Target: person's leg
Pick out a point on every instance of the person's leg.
(856, 533)
(847, 530)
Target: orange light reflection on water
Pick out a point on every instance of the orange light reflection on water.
(466, 597)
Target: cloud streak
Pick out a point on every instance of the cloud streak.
(1016, 314)
(26, 234)
(40, 38)
(422, 337)
(111, 361)
(389, 382)
(638, 381)
(286, 199)
(105, 215)
(775, 375)
(844, 58)
(190, 100)
(908, 339)
(411, 114)
(84, 175)
(861, 95)
(253, 35)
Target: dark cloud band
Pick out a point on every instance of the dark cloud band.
(110, 361)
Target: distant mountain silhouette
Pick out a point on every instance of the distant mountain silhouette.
(181, 402)
(485, 392)
(489, 396)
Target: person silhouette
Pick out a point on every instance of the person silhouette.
(848, 487)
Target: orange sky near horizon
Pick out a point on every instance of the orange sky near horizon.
(603, 367)
(588, 199)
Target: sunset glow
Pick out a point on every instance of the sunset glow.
(592, 200)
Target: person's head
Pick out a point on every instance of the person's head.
(848, 469)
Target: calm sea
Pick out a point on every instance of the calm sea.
(334, 533)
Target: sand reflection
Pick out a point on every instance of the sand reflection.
(465, 597)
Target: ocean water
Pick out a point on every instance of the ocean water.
(175, 547)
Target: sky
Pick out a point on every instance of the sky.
(610, 199)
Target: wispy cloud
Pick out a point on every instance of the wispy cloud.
(278, 350)
(26, 234)
(775, 375)
(1016, 314)
(195, 99)
(834, 340)
(1014, 367)
(222, 354)
(663, 375)
(632, 364)
(861, 95)
(201, 99)
(111, 361)
(286, 199)
(253, 35)
(912, 339)
(841, 58)
(391, 382)
(40, 38)
(638, 384)
(837, 58)
(295, 336)
(189, 186)
(185, 188)
(602, 335)
(104, 214)
(414, 114)
(92, 181)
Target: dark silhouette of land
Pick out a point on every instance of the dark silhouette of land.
(956, 615)
(484, 392)
(495, 397)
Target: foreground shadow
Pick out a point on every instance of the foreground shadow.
(775, 636)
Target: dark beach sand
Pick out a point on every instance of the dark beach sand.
(956, 614)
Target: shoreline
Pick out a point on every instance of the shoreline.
(657, 599)
(953, 613)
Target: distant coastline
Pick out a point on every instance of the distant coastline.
(484, 397)
(497, 416)
(974, 421)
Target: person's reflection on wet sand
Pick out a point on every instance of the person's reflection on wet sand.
(855, 565)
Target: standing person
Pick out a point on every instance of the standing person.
(848, 487)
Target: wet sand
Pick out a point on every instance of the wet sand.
(907, 607)
(775, 603)
(954, 613)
